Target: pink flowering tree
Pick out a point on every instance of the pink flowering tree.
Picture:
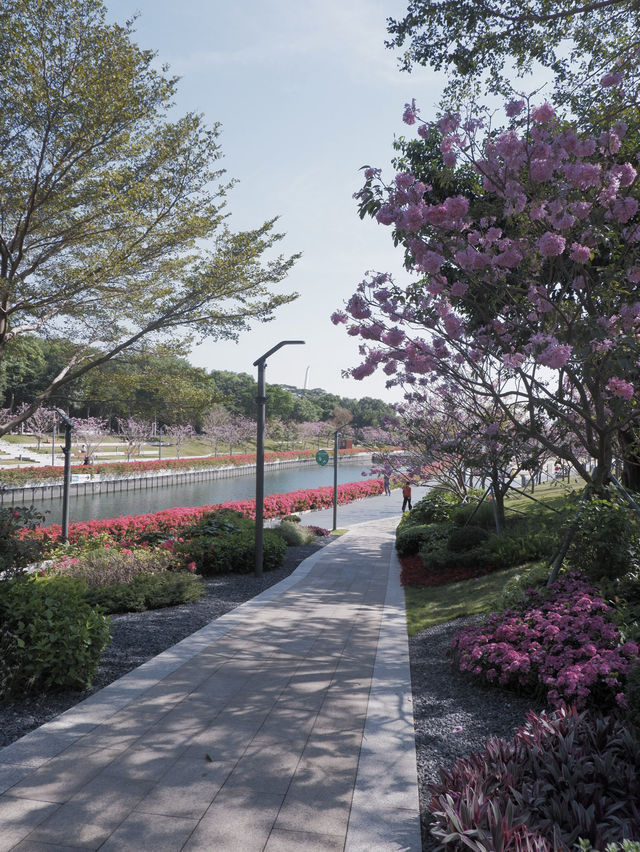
(40, 424)
(215, 425)
(133, 433)
(532, 273)
(90, 433)
(239, 431)
(179, 434)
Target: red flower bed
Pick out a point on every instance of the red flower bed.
(414, 573)
(134, 528)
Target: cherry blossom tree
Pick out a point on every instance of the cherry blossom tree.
(534, 279)
(134, 433)
(89, 432)
(215, 425)
(40, 424)
(179, 434)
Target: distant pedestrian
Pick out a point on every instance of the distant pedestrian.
(387, 484)
(406, 497)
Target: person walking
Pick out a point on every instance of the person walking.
(406, 497)
(387, 484)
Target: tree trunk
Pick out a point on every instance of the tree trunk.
(498, 501)
(631, 460)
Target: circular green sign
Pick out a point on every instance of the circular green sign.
(322, 457)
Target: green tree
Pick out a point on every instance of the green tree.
(478, 41)
(112, 217)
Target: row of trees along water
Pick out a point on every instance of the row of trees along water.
(157, 397)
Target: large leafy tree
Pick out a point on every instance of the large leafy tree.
(483, 41)
(112, 216)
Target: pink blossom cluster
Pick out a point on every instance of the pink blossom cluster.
(563, 642)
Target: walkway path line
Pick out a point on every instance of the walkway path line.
(285, 724)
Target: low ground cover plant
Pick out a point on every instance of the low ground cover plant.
(560, 641)
(564, 777)
(130, 580)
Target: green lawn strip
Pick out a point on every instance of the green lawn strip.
(429, 605)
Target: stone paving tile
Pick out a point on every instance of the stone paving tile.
(295, 841)
(12, 774)
(63, 775)
(187, 790)
(19, 817)
(150, 833)
(89, 817)
(265, 768)
(237, 821)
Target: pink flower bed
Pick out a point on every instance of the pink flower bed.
(134, 528)
(563, 644)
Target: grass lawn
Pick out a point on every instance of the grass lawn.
(429, 605)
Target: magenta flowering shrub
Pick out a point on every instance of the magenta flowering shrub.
(561, 643)
(562, 777)
(136, 529)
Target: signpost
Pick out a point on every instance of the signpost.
(322, 457)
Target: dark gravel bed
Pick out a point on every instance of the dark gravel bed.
(453, 716)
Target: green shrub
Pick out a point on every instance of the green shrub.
(532, 577)
(632, 696)
(233, 553)
(294, 519)
(16, 552)
(466, 538)
(507, 551)
(437, 506)
(483, 517)
(411, 539)
(606, 542)
(294, 535)
(58, 636)
(107, 566)
(147, 591)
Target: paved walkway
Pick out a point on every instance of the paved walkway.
(284, 725)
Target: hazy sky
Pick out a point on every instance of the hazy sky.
(306, 94)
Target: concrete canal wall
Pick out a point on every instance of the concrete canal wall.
(86, 485)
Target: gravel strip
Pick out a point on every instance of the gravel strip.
(453, 716)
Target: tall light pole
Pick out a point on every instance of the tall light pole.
(68, 426)
(261, 399)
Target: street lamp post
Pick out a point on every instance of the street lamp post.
(335, 480)
(68, 426)
(261, 399)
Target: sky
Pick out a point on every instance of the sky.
(306, 94)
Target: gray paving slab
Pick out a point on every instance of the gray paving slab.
(285, 724)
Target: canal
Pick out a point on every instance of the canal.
(84, 508)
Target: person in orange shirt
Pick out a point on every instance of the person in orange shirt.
(406, 497)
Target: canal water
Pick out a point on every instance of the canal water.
(84, 508)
